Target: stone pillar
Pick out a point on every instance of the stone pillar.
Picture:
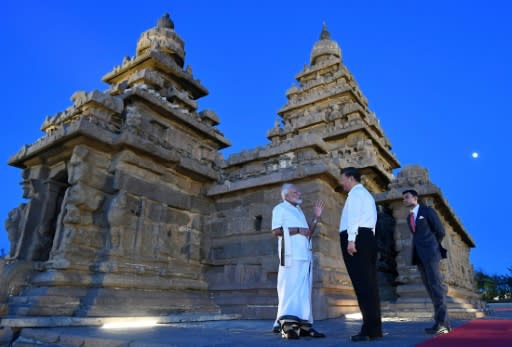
(45, 230)
(13, 227)
(34, 189)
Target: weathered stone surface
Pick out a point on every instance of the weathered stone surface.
(6, 335)
(131, 209)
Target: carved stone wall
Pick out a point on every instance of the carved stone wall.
(243, 253)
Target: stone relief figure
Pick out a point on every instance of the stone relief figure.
(122, 216)
(133, 120)
(78, 164)
(12, 227)
(335, 113)
(116, 215)
(29, 190)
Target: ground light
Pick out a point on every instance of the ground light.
(130, 324)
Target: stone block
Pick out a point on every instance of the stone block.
(144, 303)
(6, 335)
(84, 197)
(233, 249)
(159, 193)
(227, 205)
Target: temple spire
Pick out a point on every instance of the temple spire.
(325, 35)
(325, 47)
(165, 22)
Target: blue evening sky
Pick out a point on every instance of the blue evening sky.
(437, 74)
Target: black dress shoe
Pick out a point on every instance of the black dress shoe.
(438, 329)
(290, 335)
(310, 333)
(441, 329)
(360, 337)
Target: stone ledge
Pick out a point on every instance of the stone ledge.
(33, 322)
(301, 141)
(287, 175)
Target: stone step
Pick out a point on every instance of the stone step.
(260, 311)
(47, 300)
(42, 305)
(245, 299)
(23, 342)
(48, 338)
(134, 310)
(141, 299)
(340, 301)
(98, 292)
(456, 313)
(56, 321)
(338, 311)
(107, 302)
(420, 306)
(55, 291)
(29, 310)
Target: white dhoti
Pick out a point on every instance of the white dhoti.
(294, 285)
(294, 279)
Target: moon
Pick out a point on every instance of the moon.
(474, 155)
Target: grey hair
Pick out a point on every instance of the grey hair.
(284, 190)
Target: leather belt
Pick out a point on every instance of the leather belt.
(295, 231)
(359, 229)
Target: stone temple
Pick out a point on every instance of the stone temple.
(131, 210)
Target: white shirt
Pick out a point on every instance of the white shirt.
(286, 215)
(359, 211)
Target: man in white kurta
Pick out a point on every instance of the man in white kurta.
(294, 280)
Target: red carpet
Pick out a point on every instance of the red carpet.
(477, 333)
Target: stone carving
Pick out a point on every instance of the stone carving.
(12, 225)
(133, 120)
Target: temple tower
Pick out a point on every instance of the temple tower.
(325, 125)
(115, 187)
(328, 102)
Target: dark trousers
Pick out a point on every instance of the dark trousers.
(433, 281)
(362, 269)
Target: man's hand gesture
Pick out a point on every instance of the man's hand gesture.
(318, 208)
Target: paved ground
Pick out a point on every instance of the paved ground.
(232, 333)
(225, 333)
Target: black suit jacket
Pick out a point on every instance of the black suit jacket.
(427, 237)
